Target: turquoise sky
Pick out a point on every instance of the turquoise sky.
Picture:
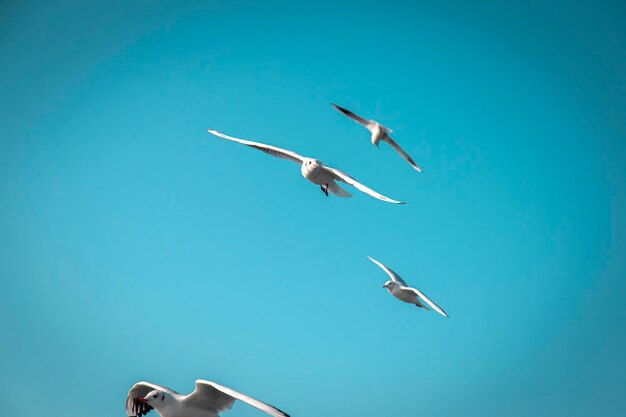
(136, 246)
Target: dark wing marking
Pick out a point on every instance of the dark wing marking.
(352, 115)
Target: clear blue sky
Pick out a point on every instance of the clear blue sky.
(136, 246)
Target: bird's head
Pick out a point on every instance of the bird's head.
(390, 284)
(311, 164)
(156, 398)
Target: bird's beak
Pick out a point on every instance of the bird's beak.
(385, 286)
(141, 399)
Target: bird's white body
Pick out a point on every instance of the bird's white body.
(403, 293)
(378, 131)
(312, 170)
(176, 407)
(172, 406)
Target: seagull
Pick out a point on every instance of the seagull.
(313, 170)
(401, 290)
(208, 400)
(379, 132)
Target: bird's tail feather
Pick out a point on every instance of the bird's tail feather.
(336, 189)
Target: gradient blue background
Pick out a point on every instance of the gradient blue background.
(136, 246)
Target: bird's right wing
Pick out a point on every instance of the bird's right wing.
(402, 153)
(342, 176)
(428, 301)
(215, 397)
(352, 115)
(394, 277)
(137, 408)
(269, 149)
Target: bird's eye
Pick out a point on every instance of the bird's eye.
(155, 395)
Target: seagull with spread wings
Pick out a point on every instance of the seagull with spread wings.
(313, 170)
(401, 290)
(208, 400)
(379, 132)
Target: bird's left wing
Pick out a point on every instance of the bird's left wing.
(215, 397)
(394, 277)
(135, 407)
(342, 176)
(269, 149)
(402, 153)
(428, 301)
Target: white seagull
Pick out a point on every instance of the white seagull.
(379, 132)
(313, 170)
(208, 400)
(401, 290)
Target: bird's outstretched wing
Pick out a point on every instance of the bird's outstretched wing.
(342, 176)
(394, 277)
(215, 397)
(269, 149)
(428, 301)
(352, 115)
(402, 153)
(137, 408)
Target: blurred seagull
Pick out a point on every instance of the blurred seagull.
(208, 400)
(313, 170)
(379, 132)
(401, 290)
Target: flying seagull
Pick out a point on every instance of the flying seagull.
(208, 400)
(379, 132)
(401, 290)
(313, 170)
